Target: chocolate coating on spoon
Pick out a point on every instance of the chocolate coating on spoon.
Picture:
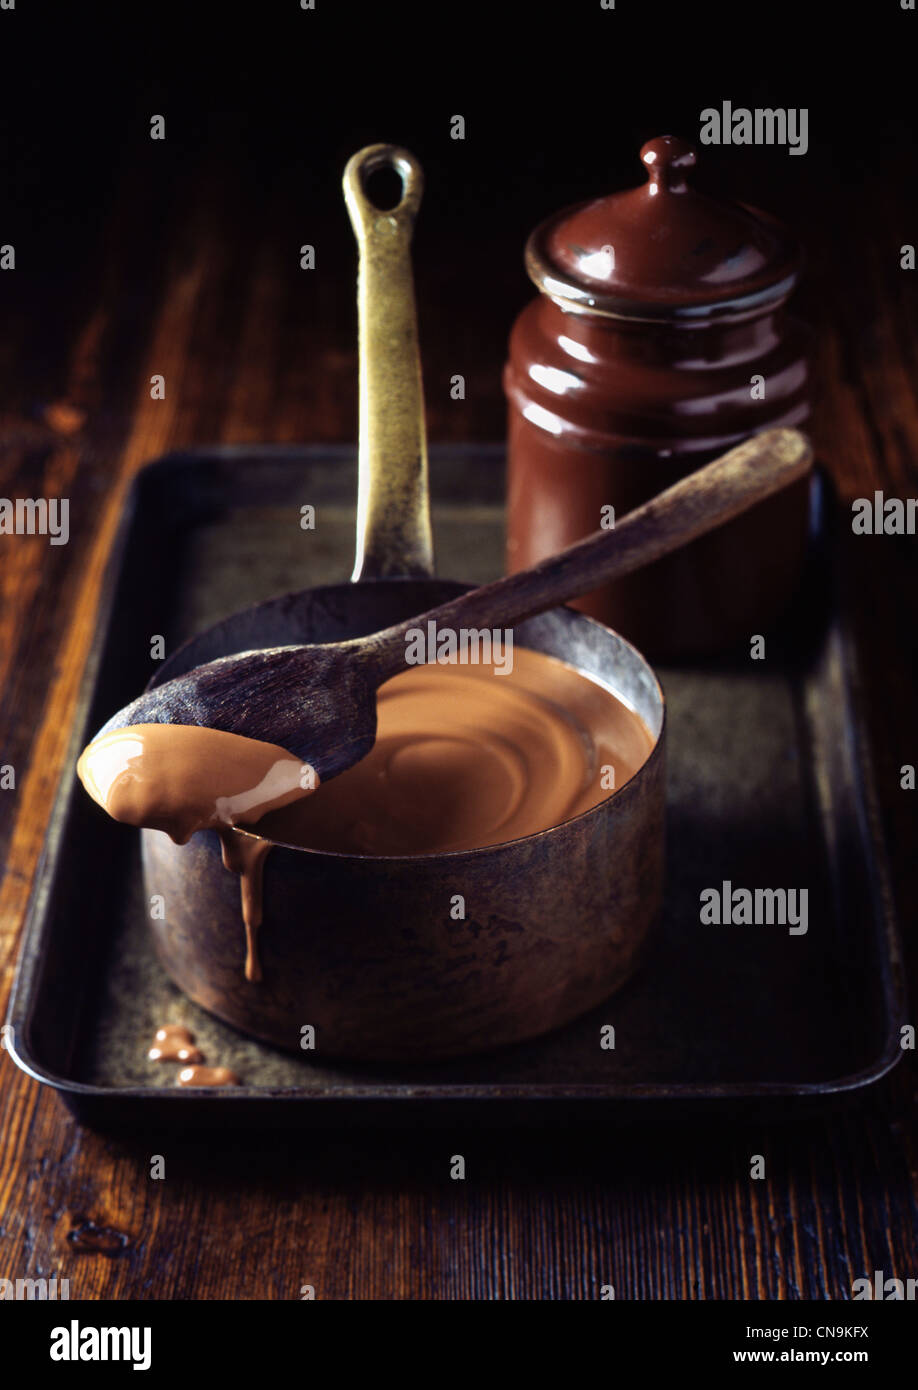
(182, 778)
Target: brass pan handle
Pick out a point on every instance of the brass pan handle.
(393, 512)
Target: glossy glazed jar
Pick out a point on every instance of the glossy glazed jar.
(660, 339)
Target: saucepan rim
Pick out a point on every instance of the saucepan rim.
(501, 845)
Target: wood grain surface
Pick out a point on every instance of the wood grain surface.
(193, 274)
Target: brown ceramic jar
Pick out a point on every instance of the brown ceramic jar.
(660, 339)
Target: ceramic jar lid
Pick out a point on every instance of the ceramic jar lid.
(664, 250)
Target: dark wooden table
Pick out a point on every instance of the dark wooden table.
(183, 261)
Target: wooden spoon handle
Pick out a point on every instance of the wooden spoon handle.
(704, 500)
(393, 516)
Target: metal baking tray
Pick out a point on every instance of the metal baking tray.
(769, 784)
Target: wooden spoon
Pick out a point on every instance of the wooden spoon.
(319, 701)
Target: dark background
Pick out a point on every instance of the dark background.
(183, 256)
(264, 103)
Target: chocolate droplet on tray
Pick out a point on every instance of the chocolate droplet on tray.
(173, 1043)
(207, 1076)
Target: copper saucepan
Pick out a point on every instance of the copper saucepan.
(364, 948)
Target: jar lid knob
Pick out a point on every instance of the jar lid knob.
(666, 159)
